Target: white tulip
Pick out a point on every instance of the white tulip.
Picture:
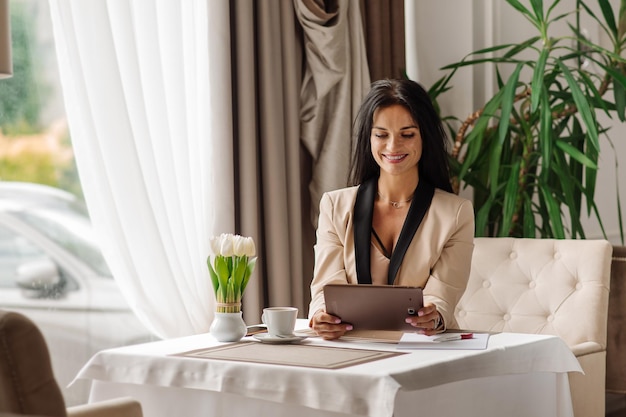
(239, 243)
(249, 248)
(214, 245)
(230, 279)
(226, 245)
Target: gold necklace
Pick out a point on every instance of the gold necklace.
(394, 204)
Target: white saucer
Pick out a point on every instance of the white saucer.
(266, 338)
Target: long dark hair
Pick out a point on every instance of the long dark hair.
(433, 165)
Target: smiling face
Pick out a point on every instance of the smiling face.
(396, 141)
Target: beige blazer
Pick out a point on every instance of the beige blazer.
(437, 259)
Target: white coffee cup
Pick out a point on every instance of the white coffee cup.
(280, 321)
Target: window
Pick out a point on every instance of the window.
(51, 267)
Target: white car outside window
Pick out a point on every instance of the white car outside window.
(52, 270)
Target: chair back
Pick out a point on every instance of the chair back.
(540, 286)
(27, 384)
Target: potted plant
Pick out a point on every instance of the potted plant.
(531, 153)
(230, 264)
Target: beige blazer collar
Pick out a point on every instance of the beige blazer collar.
(363, 214)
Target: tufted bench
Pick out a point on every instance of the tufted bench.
(546, 286)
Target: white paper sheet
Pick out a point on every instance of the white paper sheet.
(421, 341)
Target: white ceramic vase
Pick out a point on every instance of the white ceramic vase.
(228, 327)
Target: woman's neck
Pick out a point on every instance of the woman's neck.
(396, 188)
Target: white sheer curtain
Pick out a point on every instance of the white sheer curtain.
(146, 112)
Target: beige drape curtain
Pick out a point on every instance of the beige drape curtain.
(383, 22)
(335, 79)
(299, 74)
(266, 82)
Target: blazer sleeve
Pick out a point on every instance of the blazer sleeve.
(450, 273)
(329, 253)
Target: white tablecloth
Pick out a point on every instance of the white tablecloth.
(517, 375)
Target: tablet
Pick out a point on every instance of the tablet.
(373, 307)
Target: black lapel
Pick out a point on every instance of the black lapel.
(363, 214)
(419, 206)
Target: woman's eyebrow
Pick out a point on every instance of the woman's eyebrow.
(402, 128)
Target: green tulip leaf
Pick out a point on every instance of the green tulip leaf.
(214, 280)
(223, 274)
(249, 269)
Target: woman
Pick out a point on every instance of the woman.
(399, 223)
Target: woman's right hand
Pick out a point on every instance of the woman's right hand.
(327, 326)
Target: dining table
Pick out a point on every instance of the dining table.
(513, 374)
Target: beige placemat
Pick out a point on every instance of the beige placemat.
(291, 354)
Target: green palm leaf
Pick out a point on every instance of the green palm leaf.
(537, 82)
(582, 104)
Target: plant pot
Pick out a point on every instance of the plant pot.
(228, 327)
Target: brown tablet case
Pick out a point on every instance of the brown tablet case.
(373, 307)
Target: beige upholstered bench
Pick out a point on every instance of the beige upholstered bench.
(546, 286)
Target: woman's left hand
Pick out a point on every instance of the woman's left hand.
(427, 319)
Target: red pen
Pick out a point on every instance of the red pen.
(453, 336)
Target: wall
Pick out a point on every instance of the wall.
(443, 32)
